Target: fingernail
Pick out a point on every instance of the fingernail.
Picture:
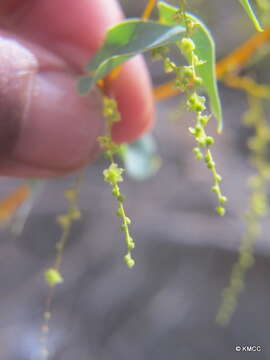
(17, 69)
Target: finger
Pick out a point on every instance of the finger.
(134, 100)
(44, 123)
(76, 36)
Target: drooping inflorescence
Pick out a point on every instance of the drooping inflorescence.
(258, 207)
(113, 174)
(53, 275)
(187, 81)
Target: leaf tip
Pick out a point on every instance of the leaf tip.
(219, 129)
(219, 124)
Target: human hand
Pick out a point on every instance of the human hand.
(46, 128)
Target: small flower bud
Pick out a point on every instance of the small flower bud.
(223, 199)
(209, 141)
(197, 81)
(220, 210)
(115, 191)
(53, 277)
(63, 221)
(187, 46)
(120, 212)
(211, 165)
(129, 261)
(215, 189)
(120, 197)
(169, 66)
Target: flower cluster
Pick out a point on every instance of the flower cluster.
(196, 104)
(113, 174)
(186, 80)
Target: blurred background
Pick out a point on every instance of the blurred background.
(165, 307)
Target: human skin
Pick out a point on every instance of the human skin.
(46, 128)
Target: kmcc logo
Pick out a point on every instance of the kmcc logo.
(249, 348)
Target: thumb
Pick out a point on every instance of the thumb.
(45, 127)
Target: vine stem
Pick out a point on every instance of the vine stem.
(248, 85)
(148, 9)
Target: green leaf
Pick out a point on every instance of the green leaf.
(141, 159)
(124, 41)
(205, 50)
(246, 5)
